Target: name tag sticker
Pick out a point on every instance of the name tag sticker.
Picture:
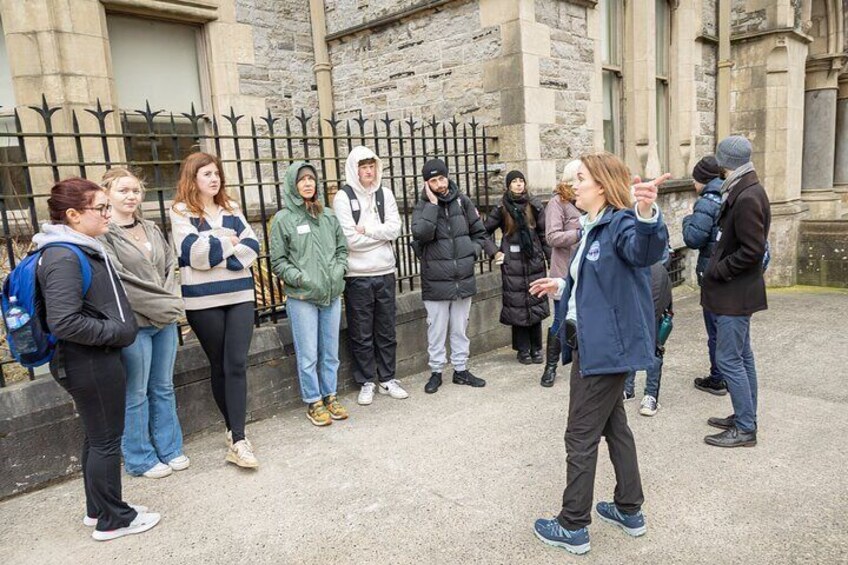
(514, 248)
(302, 229)
(354, 205)
(718, 235)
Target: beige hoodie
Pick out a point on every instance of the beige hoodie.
(370, 254)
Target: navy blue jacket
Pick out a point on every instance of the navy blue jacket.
(700, 227)
(616, 326)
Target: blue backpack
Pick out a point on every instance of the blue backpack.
(32, 344)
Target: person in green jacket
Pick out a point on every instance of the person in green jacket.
(309, 254)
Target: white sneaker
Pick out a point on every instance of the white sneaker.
(366, 394)
(179, 463)
(393, 389)
(230, 440)
(241, 454)
(158, 471)
(90, 522)
(649, 406)
(143, 522)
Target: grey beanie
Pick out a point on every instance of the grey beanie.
(733, 152)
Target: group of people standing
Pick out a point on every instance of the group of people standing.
(593, 248)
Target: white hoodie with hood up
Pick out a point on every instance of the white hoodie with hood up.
(370, 254)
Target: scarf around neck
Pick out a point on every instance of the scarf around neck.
(515, 206)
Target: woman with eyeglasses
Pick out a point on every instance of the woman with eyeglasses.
(216, 247)
(153, 439)
(92, 326)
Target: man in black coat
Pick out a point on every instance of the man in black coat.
(448, 235)
(734, 288)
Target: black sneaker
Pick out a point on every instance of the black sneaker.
(434, 383)
(466, 378)
(709, 384)
(524, 357)
(732, 437)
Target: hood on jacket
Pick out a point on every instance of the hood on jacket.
(60, 233)
(291, 197)
(357, 154)
(713, 186)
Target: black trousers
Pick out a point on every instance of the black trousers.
(225, 333)
(370, 312)
(527, 338)
(595, 409)
(95, 379)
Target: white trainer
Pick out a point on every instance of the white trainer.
(179, 463)
(158, 471)
(393, 389)
(91, 522)
(230, 440)
(241, 454)
(649, 406)
(143, 522)
(366, 394)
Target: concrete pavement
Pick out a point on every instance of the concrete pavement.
(460, 476)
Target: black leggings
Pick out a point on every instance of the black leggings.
(94, 377)
(225, 333)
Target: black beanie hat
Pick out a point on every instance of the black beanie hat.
(511, 176)
(434, 168)
(706, 170)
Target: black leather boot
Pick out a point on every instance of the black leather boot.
(552, 353)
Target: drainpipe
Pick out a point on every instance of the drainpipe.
(724, 66)
(324, 80)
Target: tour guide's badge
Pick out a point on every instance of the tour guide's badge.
(594, 252)
(303, 228)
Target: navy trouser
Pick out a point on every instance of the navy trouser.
(735, 360)
(710, 325)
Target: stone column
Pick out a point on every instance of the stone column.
(640, 90)
(840, 169)
(820, 138)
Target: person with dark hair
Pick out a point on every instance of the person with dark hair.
(523, 255)
(699, 232)
(608, 332)
(91, 329)
(562, 232)
(447, 236)
(734, 287)
(215, 248)
(309, 254)
(153, 438)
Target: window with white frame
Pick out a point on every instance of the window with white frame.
(612, 18)
(663, 42)
(160, 64)
(11, 175)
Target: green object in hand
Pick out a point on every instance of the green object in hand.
(664, 328)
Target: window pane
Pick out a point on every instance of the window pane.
(7, 94)
(610, 32)
(662, 123)
(662, 36)
(171, 144)
(154, 61)
(611, 111)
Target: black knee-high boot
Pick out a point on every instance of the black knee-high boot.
(552, 353)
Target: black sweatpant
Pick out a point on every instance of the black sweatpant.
(527, 338)
(95, 379)
(595, 409)
(225, 333)
(371, 316)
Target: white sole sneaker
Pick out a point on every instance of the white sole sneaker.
(143, 522)
(396, 392)
(366, 396)
(91, 522)
(159, 471)
(179, 463)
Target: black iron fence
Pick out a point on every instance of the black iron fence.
(42, 144)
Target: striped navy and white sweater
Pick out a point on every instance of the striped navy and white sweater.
(213, 271)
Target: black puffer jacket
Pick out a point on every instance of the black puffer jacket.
(449, 237)
(520, 308)
(103, 318)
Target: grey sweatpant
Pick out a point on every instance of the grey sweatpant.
(440, 315)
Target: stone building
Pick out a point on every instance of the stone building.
(655, 81)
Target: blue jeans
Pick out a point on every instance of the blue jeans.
(735, 361)
(710, 325)
(152, 430)
(315, 330)
(653, 376)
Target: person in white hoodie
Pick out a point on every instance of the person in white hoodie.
(369, 217)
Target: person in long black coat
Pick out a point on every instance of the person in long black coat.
(521, 218)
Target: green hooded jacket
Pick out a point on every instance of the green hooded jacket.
(308, 254)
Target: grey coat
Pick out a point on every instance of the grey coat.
(151, 284)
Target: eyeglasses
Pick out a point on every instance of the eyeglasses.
(104, 209)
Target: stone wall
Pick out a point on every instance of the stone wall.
(568, 71)
(41, 438)
(744, 20)
(823, 253)
(706, 54)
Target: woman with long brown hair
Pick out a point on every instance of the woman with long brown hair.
(608, 331)
(216, 247)
(523, 254)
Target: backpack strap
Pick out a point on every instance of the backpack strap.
(85, 266)
(381, 205)
(356, 212)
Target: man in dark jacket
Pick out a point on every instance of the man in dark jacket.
(699, 232)
(734, 288)
(448, 235)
